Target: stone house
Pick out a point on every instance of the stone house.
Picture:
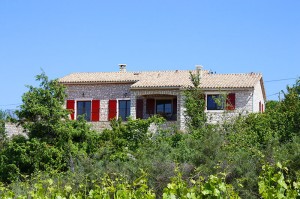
(101, 96)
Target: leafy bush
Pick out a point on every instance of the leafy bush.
(274, 183)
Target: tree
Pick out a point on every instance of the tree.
(44, 117)
(285, 115)
(42, 111)
(291, 105)
(54, 141)
(2, 127)
(195, 104)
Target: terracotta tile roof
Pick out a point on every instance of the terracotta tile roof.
(178, 79)
(100, 77)
(164, 79)
(246, 80)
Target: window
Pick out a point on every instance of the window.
(220, 102)
(124, 109)
(164, 108)
(215, 102)
(84, 109)
(89, 109)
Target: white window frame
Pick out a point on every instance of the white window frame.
(206, 98)
(81, 100)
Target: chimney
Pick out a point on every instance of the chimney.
(122, 67)
(199, 69)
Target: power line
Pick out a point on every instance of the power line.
(278, 80)
(274, 94)
(11, 104)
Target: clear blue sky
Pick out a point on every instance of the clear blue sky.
(65, 36)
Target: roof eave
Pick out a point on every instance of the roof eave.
(98, 82)
(156, 87)
(263, 88)
(222, 88)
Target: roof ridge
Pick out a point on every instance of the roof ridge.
(251, 73)
(152, 71)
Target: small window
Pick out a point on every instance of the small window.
(124, 109)
(84, 109)
(215, 102)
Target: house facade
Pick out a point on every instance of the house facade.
(102, 96)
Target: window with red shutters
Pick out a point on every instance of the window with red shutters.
(230, 101)
(84, 109)
(95, 110)
(71, 107)
(112, 109)
(150, 105)
(139, 108)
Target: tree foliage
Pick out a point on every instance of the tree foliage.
(195, 104)
(54, 142)
(42, 111)
(2, 124)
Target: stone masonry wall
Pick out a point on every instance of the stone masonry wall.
(102, 92)
(243, 106)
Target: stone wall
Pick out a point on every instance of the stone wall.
(243, 106)
(100, 126)
(105, 92)
(99, 91)
(102, 92)
(245, 102)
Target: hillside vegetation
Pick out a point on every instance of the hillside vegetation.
(254, 156)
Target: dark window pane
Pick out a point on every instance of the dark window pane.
(164, 108)
(124, 109)
(215, 102)
(84, 109)
(159, 108)
(168, 108)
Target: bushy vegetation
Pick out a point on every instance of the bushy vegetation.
(256, 156)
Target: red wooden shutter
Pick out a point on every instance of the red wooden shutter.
(139, 108)
(95, 110)
(150, 106)
(71, 107)
(112, 109)
(230, 101)
(259, 106)
(175, 106)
